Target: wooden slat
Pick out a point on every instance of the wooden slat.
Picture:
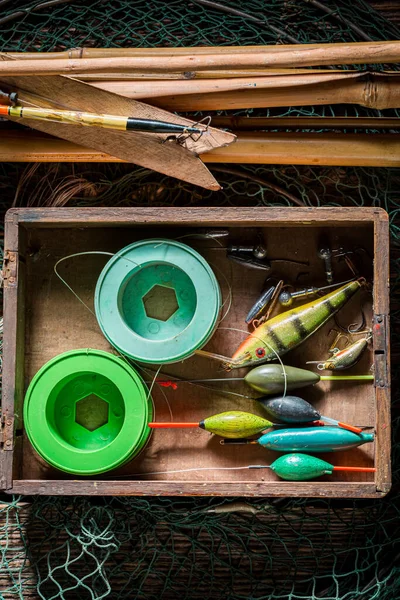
(381, 308)
(195, 488)
(194, 216)
(379, 150)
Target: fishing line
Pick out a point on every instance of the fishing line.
(192, 470)
(82, 254)
(270, 347)
(90, 310)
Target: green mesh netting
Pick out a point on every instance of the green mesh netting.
(199, 548)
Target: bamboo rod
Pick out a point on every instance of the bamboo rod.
(380, 92)
(257, 123)
(273, 56)
(382, 48)
(155, 89)
(380, 150)
(216, 74)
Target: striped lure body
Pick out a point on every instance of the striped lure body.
(289, 329)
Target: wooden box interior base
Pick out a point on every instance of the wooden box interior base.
(56, 322)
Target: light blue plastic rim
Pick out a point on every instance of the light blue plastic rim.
(198, 331)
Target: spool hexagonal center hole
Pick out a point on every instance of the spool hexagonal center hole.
(91, 412)
(160, 303)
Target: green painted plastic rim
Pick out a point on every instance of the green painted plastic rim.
(131, 275)
(95, 451)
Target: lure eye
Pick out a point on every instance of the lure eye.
(260, 352)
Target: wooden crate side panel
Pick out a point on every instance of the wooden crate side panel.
(382, 353)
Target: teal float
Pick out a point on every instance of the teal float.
(313, 439)
(157, 301)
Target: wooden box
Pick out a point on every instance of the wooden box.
(42, 318)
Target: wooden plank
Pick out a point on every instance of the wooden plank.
(324, 149)
(183, 488)
(12, 336)
(195, 216)
(382, 352)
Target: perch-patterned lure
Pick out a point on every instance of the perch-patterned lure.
(289, 329)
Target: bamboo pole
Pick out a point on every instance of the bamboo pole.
(259, 123)
(263, 56)
(216, 74)
(380, 150)
(156, 89)
(370, 90)
(381, 48)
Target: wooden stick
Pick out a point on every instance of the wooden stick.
(356, 47)
(380, 150)
(155, 89)
(272, 56)
(258, 123)
(216, 74)
(375, 91)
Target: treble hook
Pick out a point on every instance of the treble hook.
(353, 327)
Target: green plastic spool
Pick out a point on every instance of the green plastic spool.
(157, 301)
(86, 412)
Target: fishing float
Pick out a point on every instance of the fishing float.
(273, 379)
(310, 439)
(238, 424)
(302, 467)
(294, 410)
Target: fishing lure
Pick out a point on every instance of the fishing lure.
(288, 330)
(294, 410)
(301, 467)
(260, 305)
(309, 439)
(343, 359)
(232, 424)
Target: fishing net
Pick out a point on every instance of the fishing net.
(236, 549)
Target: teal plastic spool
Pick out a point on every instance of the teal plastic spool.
(157, 301)
(87, 411)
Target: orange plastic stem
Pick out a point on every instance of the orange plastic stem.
(349, 427)
(173, 425)
(357, 469)
(4, 110)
